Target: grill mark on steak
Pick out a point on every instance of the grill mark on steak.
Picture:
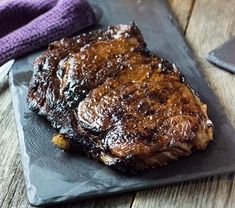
(116, 101)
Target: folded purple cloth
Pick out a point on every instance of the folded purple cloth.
(44, 21)
(16, 13)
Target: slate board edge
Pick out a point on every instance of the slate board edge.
(24, 156)
(213, 59)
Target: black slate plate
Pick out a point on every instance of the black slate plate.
(54, 176)
(224, 56)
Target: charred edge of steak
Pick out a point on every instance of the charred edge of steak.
(130, 164)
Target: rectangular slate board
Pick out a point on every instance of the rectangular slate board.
(54, 176)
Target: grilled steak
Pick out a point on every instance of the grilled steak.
(117, 102)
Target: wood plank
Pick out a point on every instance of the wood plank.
(182, 10)
(12, 182)
(210, 192)
(209, 26)
(12, 185)
(116, 201)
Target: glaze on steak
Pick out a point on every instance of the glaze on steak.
(115, 101)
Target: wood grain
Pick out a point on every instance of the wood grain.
(12, 182)
(210, 192)
(209, 27)
(182, 10)
(199, 19)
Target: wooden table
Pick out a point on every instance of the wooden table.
(206, 25)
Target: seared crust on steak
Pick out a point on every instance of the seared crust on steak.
(114, 100)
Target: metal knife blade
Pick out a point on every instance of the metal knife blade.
(4, 70)
(224, 56)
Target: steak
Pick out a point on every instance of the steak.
(111, 98)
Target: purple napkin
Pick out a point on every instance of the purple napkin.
(27, 25)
